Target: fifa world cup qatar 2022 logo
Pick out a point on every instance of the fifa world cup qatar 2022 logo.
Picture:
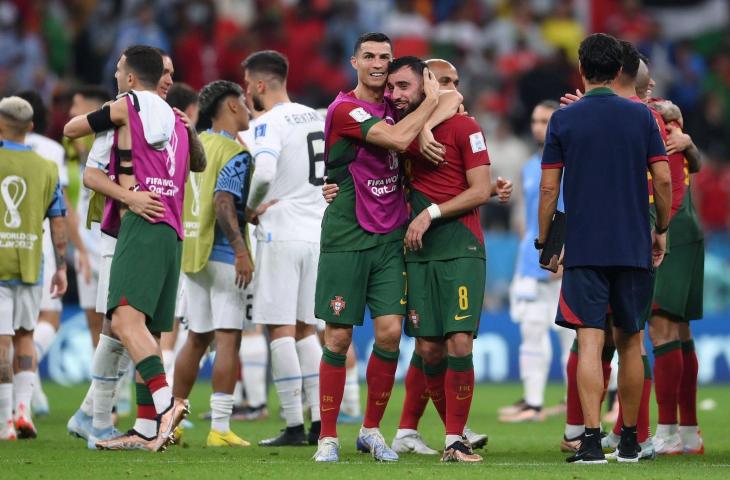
(13, 189)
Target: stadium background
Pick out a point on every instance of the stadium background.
(510, 55)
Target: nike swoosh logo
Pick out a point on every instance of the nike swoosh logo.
(461, 317)
(403, 302)
(327, 409)
(381, 403)
(458, 397)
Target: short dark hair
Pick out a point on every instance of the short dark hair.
(371, 37)
(629, 59)
(213, 94)
(93, 92)
(551, 104)
(600, 57)
(145, 62)
(267, 61)
(414, 63)
(181, 96)
(40, 112)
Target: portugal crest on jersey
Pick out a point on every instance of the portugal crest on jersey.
(338, 305)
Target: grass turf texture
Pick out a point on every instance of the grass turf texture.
(514, 451)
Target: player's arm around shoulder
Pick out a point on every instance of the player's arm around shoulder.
(107, 117)
(399, 136)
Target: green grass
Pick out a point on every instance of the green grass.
(515, 451)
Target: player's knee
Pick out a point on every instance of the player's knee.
(388, 336)
(460, 344)
(338, 340)
(432, 353)
(662, 330)
(200, 341)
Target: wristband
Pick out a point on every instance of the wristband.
(434, 211)
(538, 245)
(660, 230)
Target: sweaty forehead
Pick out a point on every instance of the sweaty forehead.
(376, 48)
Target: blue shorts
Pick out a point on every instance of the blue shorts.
(587, 292)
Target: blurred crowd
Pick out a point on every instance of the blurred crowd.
(510, 55)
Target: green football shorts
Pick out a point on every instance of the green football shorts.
(145, 271)
(680, 282)
(445, 296)
(347, 281)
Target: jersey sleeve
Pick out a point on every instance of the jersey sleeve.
(101, 151)
(552, 154)
(656, 152)
(232, 176)
(57, 208)
(352, 121)
(471, 143)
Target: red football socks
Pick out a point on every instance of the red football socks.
(331, 388)
(688, 386)
(459, 384)
(380, 377)
(417, 395)
(667, 379)
(435, 382)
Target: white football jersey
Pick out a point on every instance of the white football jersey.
(50, 150)
(294, 134)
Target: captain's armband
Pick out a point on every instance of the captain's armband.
(101, 120)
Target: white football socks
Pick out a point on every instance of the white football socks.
(23, 388)
(104, 376)
(254, 355)
(534, 359)
(146, 427)
(6, 403)
(310, 355)
(43, 336)
(351, 396)
(221, 407)
(287, 376)
(168, 363)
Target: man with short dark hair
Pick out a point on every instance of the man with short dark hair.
(445, 257)
(361, 259)
(145, 268)
(286, 204)
(610, 252)
(216, 260)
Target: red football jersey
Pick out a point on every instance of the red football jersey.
(466, 148)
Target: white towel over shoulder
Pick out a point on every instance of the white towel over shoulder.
(158, 119)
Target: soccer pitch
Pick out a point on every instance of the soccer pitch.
(523, 451)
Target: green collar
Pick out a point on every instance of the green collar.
(600, 91)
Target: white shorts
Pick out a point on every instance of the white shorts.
(181, 302)
(540, 309)
(108, 244)
(48, 304)
(286, 276)
(88, 291)
(214, 302)
(20, 305)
